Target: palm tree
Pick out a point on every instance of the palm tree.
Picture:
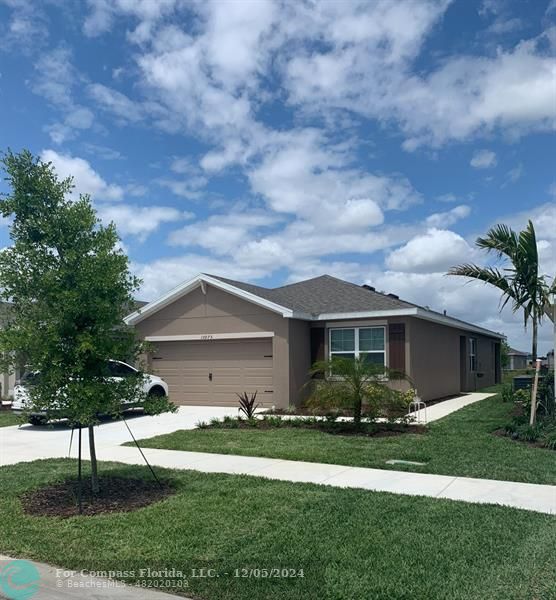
(353, 384)
(519, 281)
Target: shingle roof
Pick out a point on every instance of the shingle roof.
(517, 352)
(324, 294)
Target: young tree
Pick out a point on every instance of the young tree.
(70, 285)
(520, 281)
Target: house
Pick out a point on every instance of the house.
(213, 337)
(517, 360)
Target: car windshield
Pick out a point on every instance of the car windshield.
(119, 369)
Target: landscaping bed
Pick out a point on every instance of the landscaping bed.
(116, 494)
(338, 543)
(305, 411)
(331, 426)
(460, 444)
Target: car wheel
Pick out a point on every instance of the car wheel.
(38, 420)
(156, 392)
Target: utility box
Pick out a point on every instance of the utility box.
(525, 382)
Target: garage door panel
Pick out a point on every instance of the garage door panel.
(236, 366)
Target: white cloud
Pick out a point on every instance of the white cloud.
(163, 274)
(139, 221)
(483, 159)
(104, 152)
(515, 174)
(56, 81)
(449, 217)
(115, 102)
(223, 234)
(435, 251)
(86, 179)
(302, 175)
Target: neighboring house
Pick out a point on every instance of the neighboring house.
(214, 337)
(517, 360)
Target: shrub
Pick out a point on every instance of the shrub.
(248, 404)
(523, 397)
(394, 405)
(273, 421)
(352, 384)
(527, 433)
(549, 440)
(507, 393)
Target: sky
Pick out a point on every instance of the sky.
(272, 141)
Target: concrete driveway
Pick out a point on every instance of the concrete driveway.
(26, 443)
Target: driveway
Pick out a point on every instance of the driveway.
(27, 443)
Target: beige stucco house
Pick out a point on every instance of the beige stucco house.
(517, 360)
(213, 337)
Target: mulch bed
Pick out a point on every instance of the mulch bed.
(117, 494)
(336, 428)
(503, 433)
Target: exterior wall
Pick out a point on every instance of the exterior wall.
(399, 385)
(300, 359)
(7, 381)
(220, 312)
(517, 362)
(437, 365)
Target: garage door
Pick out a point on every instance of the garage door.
(212, 372)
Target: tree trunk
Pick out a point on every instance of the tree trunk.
(535, 336)
(93, 453)
(357, 411)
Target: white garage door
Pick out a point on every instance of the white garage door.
(212, 372)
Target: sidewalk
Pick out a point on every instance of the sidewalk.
(528, 496)
(447, 407)
(54, 583)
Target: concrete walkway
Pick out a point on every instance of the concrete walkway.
(528, 496)
(447, 407)
(53, 583)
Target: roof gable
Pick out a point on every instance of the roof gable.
(200, 281)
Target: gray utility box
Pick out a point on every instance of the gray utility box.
(525, 382)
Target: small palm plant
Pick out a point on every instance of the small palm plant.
(352, 384)
(519, 280)
(248, 404)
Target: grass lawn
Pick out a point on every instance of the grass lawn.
(7, 417)
(350, 543)
(460, 444)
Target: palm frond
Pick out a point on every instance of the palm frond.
(501, 239)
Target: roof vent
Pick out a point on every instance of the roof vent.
(394, 296)
(369, 287)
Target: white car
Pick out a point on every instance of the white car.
(152, 386)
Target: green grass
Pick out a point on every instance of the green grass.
(351, 544)
(7, 417)
(460, 444)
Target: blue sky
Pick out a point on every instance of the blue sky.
(273, 141)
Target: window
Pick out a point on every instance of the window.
(118, 369)
(472, 354)
(359, 342)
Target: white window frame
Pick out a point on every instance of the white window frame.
(472, 354)
(356, 350)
